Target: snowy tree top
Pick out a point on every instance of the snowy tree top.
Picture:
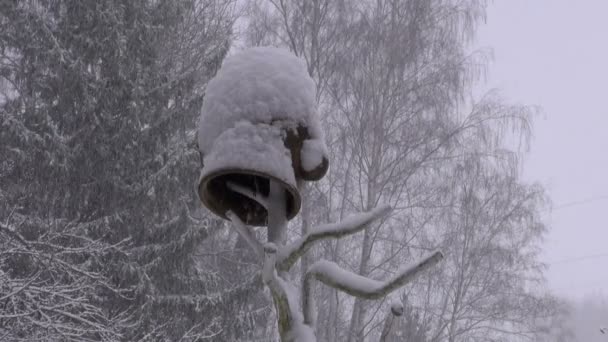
(258, 85)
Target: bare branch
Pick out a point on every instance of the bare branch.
(330, 274)
(289, 254)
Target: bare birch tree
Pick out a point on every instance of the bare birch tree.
(396, 96)
(491, 287)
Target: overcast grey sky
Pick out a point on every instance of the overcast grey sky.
(554, 53)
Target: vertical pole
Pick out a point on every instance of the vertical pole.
(277, 224)
(307, 300)
(277, 213)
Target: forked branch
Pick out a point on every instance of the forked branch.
(291, 326)
(290, 254)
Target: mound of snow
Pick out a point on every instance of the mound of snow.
(312, 154)
(259, 85)
(251, 147)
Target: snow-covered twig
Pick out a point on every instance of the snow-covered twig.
(13, 234)
(290, 254)
(332, 275)
(270, 259)
(246, 233)
(25, 285)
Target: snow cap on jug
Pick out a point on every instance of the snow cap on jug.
(259, 121)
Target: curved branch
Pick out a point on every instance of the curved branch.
(289, 254)
(245, 232)
(330, 274)
(261, 199)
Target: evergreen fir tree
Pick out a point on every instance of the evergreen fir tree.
(98, 154)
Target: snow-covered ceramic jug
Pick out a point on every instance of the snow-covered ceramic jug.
(259, 122)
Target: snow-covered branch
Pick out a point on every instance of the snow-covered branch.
(290, 319)
(246, 234)
(270, 259)
(332, 275)
(290, 254)
(6, 229)
(54, 293)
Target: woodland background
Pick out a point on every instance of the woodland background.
(102, 235)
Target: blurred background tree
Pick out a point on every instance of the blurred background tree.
(101, 232)
(99, 166)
